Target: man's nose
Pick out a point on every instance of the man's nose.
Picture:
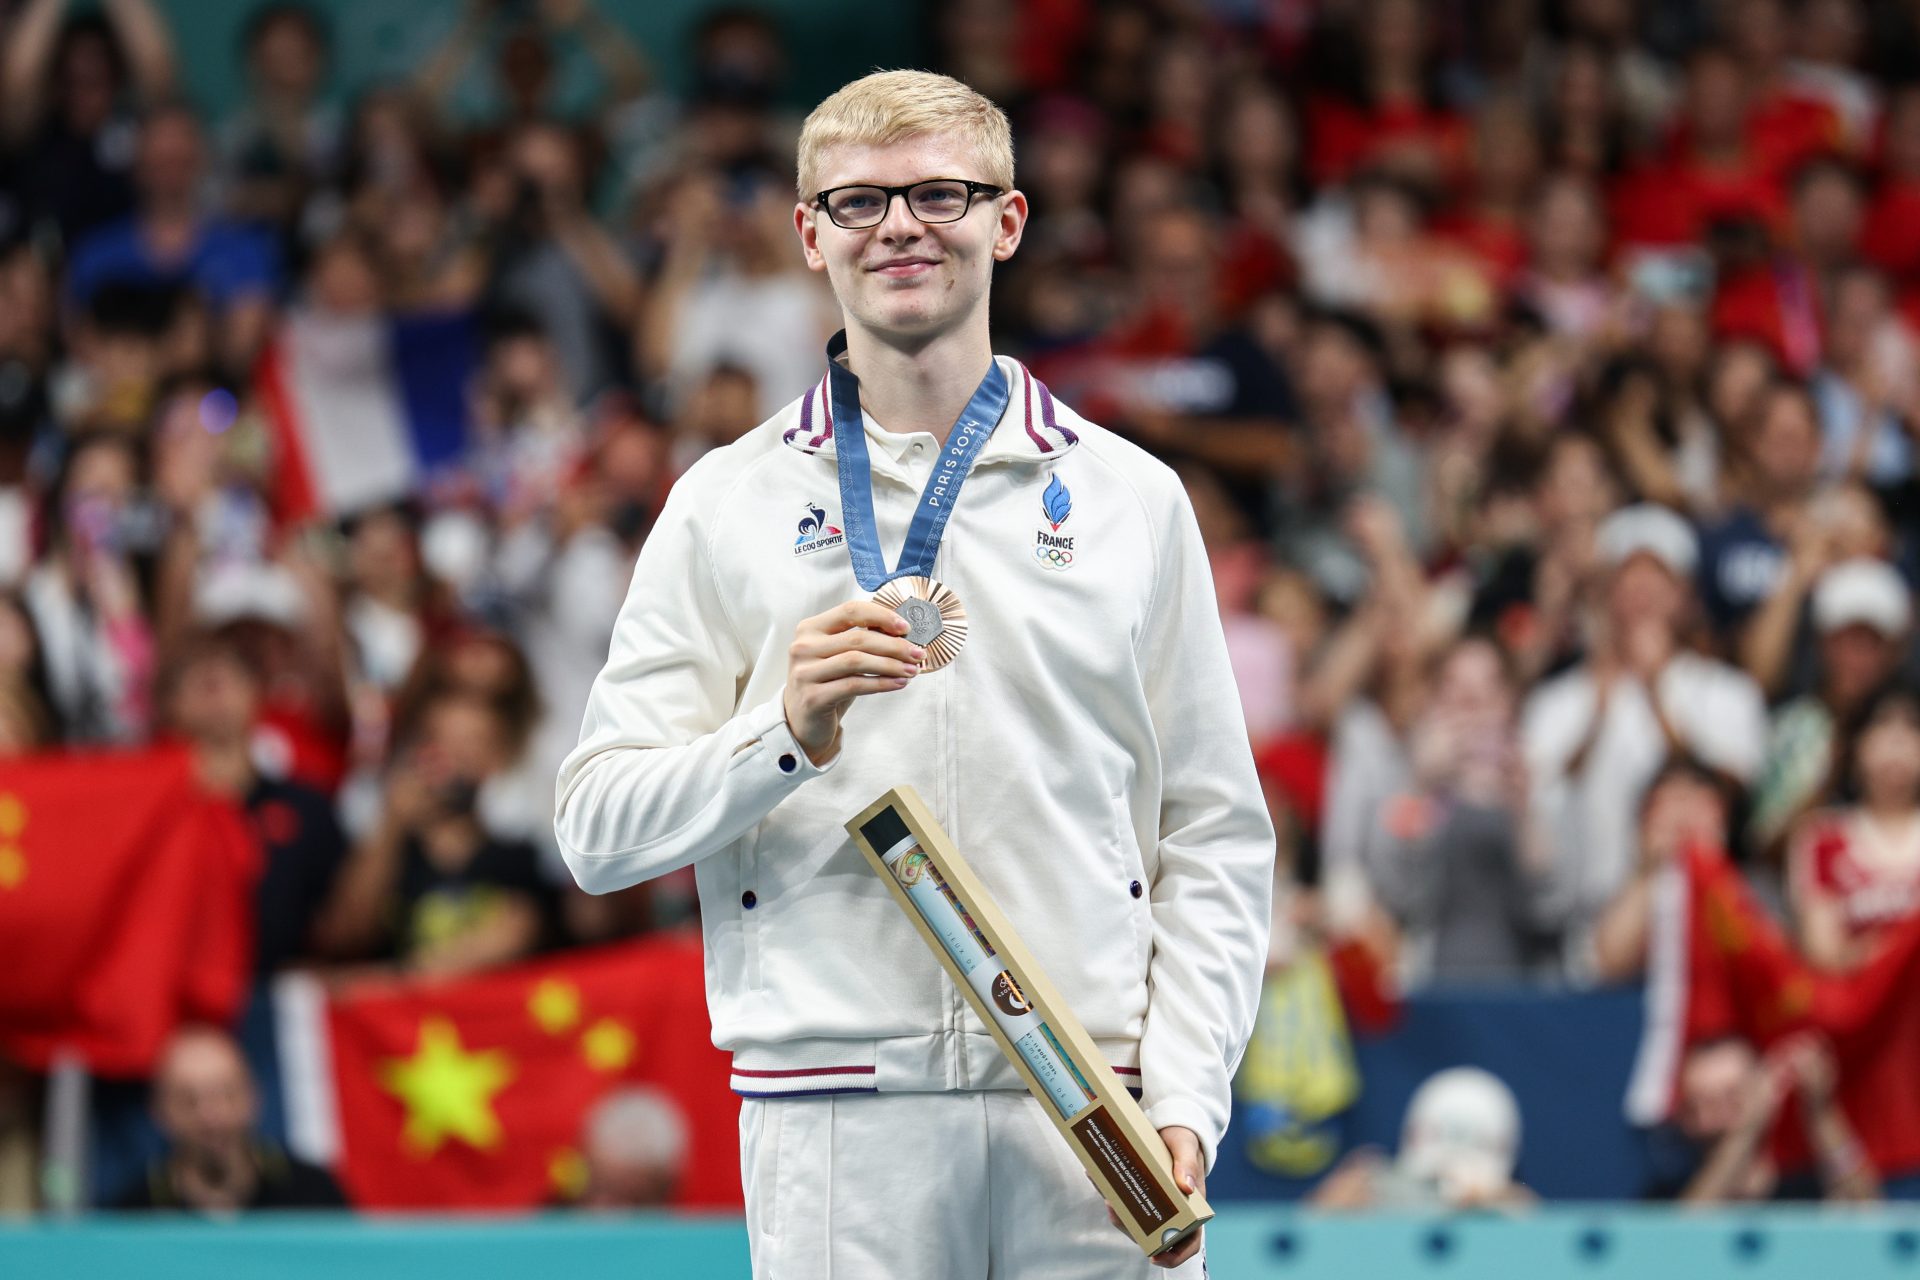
(899, 224)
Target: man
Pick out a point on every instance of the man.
(1458, 1147)
(170, 244)
(206, 1103)
(1595, 737)
(211, 696)
(1086, 748)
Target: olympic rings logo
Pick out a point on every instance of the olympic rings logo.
(1053, 557)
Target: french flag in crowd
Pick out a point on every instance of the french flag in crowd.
(365, 409)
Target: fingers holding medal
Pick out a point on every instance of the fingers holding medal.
(933, 614)
(855, 648)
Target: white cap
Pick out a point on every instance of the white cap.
(1863, 592)
(249, 589)
(1653, 530)
(1462, 1133)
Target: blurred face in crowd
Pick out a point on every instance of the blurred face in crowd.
(1568, 231)
(215, 698)
(1681, 810)
(1855, 660)
(1887, 757)
(383, 555)
(100, 486)
(1472, 685)
(1855, 522)
(1902, 147)
(1395, 32)
(88, 82)
(1786, 441)
(171, 161)
(1854, 317)
(343, 280)
(287, 58)
(1506, 150)
(1760, 31)
(203, 1094)
(1576, 488)
(1830, 32)
(1739, 375)
(1063, 165)
(1713, 1080)
(1716, 101)
(904, 279)
(1175, 265)
(462, 740)
(1257, 134)
(1335, 367)
(1828, 212)
(1644, 590)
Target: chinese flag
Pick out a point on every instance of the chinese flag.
(1739, 974)
(471, 1092)
(125, 907)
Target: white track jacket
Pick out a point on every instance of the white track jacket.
(1086, 752)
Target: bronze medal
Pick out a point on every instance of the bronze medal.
(935, 619)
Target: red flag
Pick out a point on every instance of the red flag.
(1737, 973)
(471, 1092)
(125, 907)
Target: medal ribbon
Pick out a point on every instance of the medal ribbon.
(969, 435)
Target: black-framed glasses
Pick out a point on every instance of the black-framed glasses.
(933, 201)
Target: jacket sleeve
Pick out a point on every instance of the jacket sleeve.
(668, 769)
(1212, 893)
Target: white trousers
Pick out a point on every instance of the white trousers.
(925, 1186)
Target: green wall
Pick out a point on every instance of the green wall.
(829, 41)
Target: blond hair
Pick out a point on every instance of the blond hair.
(889, 106)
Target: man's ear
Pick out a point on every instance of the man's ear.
(804, 227)
(1013, 224)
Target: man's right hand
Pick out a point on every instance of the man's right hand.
(852, 649)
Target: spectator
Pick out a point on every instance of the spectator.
(170, 244)
(1686, 809)
(1730, 1103)
(207, 1106)
(1863, 613)
(1442, 831)
(84, 596)
(211, 697)
(730, 291)
(557, 263)
(1854, 870)
(280, 146)
(1596, 735)
(429, 884)
(71, 91)
(1743, 556)
(1458, 1146)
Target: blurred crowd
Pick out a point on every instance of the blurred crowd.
(1544, 374)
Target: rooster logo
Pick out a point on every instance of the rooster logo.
(1056, 503)
(813, 524)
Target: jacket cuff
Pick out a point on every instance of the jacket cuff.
(775, 746)
(1191, 1115)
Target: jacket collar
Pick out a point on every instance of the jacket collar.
(1029, 431)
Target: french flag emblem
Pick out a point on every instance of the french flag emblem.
(364, 409)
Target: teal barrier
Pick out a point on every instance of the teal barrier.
(1599, 1243)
